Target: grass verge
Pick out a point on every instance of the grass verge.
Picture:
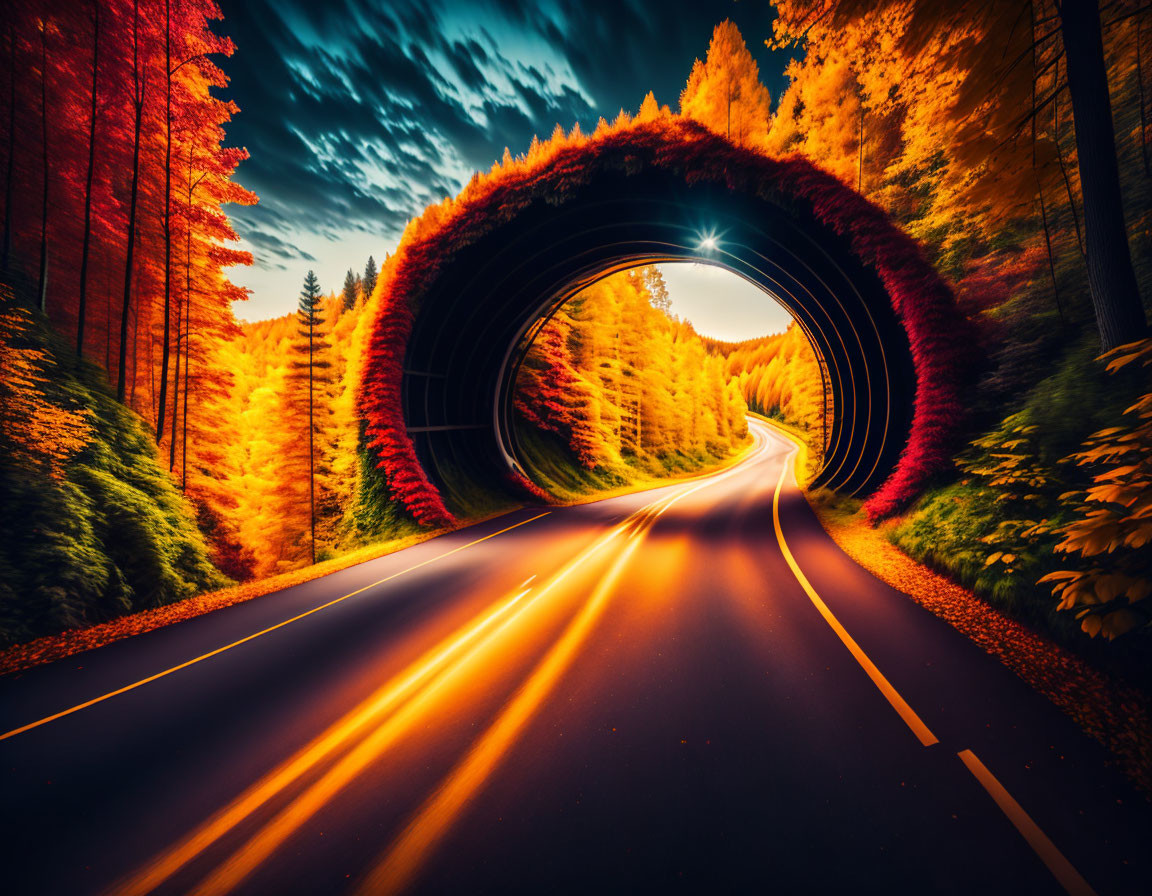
(67, 643)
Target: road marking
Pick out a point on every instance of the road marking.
(1045, 849)
(913, 721)
(392, 708)
(245, 640)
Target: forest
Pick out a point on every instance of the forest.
(625, 390)
(156, 448)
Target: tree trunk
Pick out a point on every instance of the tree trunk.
(107, 327)
(1143, 106)
(187, 357)
(83, 302)
(138, 101)
(860, 159)
(311, 434)
(729, 107)
(1063, 167)
(175, 388)
(1051, 260)
(1119, 312)
(1036, 175)
(11, 141)
(187, 328)
(42, 286)
(166, 349)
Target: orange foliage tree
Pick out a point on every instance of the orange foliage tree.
(623, 383)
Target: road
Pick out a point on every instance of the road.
(689, 689)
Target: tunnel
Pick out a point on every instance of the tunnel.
(470, 288)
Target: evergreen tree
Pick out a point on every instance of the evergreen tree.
(309, 366)
(349, 292)
(369, 277)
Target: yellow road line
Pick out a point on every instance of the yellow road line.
(391, 709)
(245, 640)
(913, 721)
(1061, 868)
(266, 841)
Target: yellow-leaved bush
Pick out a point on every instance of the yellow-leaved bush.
(1112, 531)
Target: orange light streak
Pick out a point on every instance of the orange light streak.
(406, 718)
(279, 625)
(437, 815)
(394, 709)
(440, 660)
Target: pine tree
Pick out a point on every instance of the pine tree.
(349, 292)
(370, 277)
(309, 366)
(724, 92)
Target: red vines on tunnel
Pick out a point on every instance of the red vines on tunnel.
(525, 486)
(554, 170)
(379, 396)
(940, 337)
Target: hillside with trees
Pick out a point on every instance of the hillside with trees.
(779, 377)
(615, 391)
(303, 493)
(1009, 139)
(114, 243)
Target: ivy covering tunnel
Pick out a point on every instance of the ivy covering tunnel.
(457, 306)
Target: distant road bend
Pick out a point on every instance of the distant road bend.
(689, 689)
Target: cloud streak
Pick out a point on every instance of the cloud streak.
(360, 114)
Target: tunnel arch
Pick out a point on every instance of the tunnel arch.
(457, 305)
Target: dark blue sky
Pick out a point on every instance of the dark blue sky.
(359, 113)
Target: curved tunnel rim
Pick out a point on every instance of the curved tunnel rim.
(919, 307)
(772, 274)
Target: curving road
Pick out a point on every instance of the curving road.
(689, 689)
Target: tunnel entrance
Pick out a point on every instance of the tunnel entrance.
(459, 309)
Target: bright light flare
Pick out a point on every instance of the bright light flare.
(708, 243)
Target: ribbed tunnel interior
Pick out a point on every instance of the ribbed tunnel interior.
(476, 319)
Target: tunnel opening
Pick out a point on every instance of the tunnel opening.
(461, 413)
(650, 374)
(460, 305)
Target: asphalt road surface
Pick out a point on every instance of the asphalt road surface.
(689, 689)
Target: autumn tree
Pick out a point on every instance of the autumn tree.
(970, 101)
(82, 301)
(139, 87)
(1119, 312)
(626, 388)
(724, 92)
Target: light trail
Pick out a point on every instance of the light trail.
(432, 669)
(254, 636)
(405, 857)
(393, 709)
(437, 815)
